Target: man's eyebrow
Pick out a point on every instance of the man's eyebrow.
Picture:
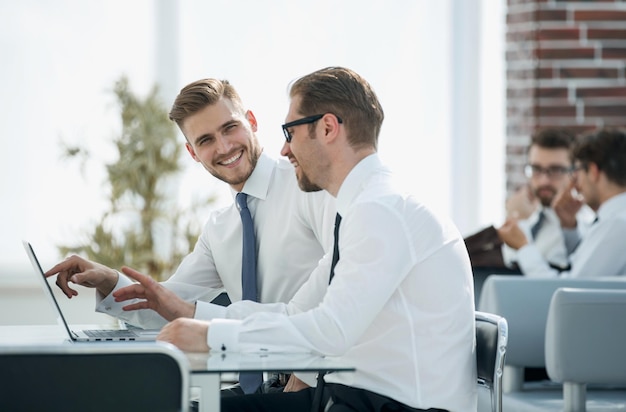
(203, 136)
(558, 165)
(230, 122)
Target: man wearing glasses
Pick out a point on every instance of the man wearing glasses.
(599, 175)
(560, 217)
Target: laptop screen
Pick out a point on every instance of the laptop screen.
(47, 289)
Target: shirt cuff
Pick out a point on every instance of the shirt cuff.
(223, 335)
(532, 263)
(107, 304)
(209, 311)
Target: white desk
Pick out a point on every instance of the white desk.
(206, 368)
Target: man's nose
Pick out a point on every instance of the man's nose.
(223, 144)
(543, 177)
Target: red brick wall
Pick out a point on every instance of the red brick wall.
(566, 67)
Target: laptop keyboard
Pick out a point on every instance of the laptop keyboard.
(110, 333)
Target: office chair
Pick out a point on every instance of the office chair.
(585, 341)
(491, 341)
(95, 377)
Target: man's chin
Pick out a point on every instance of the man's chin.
(306, 185)
(309, 187)
(546, 201)
(231, 180)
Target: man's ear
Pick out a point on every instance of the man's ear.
(593, 171)
(331, 126)
(191, 152)
(252, 120)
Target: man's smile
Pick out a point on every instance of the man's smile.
(232, 159)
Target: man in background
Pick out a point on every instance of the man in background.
(599, 175)
(559, 218)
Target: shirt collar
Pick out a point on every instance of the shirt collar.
(351, 185)
(258, 183)
(547, 211)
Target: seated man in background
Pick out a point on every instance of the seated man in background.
(559, 219)
(599, 175)
(396, 299)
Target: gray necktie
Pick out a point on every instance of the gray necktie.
(248, 261)
(249, 381)
(535, 228)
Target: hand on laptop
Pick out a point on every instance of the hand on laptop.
(188, 335)
(83, 272)
(163, 301)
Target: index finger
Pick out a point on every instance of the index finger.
(63, 266)
(145, 280)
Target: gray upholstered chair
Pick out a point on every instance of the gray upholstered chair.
(586, 344)
(524, 303)
(491, 341)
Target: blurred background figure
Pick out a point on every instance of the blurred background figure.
(545, 209)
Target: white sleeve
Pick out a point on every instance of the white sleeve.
(145, 318)
(532, 264)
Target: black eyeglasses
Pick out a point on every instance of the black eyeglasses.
(552, 172)
(304, 120)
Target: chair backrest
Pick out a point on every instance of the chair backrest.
(491, 342)
(585, 341)
(524, 302)
(95, 377)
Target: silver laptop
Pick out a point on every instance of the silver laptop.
(94, 335)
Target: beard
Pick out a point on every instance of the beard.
(306, 185)
(545, 194)
(253, 157)
(304, 182)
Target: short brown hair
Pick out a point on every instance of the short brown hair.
(553, 138)
(346, 94)
(199, 94)
(607, 149)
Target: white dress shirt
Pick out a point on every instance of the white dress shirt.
(400, 307)
(293, 230)
(600, 252)
(553, 242)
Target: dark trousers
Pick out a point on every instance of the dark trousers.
(344, 398)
